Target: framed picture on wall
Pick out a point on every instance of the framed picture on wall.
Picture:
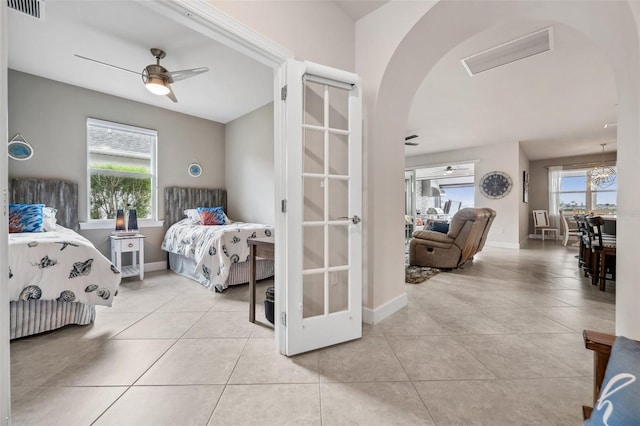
(525, 187)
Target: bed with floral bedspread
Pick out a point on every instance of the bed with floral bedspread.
(215, 249)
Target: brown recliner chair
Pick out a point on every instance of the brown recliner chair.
(466, 236)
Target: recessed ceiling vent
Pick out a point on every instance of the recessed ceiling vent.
(33, 8)
(511, 51)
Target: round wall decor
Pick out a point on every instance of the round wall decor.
(495, 184)
(19, 148)
(194, 169)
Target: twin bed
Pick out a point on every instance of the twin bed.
(57, 277)
(215, 256)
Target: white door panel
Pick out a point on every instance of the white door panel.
(323, 241)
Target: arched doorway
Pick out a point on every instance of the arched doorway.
(610, 25)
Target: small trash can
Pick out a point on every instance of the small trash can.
(269, 304)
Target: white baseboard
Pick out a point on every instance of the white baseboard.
(155, 266)
(499, 244)
(539, 237)
(374, 316)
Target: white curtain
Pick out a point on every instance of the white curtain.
(555, 176)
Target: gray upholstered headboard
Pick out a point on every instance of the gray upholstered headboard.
(176, 200)
(59, 194)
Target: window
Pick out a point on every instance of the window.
(578, 195)
(121, 169)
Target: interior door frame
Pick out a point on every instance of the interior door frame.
(200, 16)
(194, 14)
(5, 365)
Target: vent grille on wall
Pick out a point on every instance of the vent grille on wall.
(511, 51)
(33, 8)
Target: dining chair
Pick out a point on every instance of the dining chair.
(604, 251)
(542, 223)
(567, 231)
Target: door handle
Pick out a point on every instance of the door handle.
(355, 219)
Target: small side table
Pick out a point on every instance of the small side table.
(125, 244)
(263, 248)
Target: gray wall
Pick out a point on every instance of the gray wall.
(52, 117)
(249, 172)
(539, 179)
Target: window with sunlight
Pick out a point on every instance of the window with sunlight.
(578, 195)
(121, 169)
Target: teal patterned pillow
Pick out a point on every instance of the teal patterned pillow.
(620, 391)
(25, 218)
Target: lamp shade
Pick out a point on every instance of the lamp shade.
(157, 86)
(133, 220)
(120, 220)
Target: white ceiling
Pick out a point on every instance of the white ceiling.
(121, 33)
(555, 103)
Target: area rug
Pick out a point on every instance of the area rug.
(418, 274)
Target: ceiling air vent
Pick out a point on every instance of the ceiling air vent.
(33, 8)
(511, 51)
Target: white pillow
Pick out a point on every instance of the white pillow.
(49, 219)
(193, 216)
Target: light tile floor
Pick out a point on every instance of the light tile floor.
(496, 343)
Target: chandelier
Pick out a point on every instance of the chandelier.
(602, 176)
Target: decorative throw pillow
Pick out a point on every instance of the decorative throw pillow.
(25, 218)
(439, 227)
(620, 392)
(211, 216)
(49, 219)
(193, 216)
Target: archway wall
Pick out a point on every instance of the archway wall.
(610, 25)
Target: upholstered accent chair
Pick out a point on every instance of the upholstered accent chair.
(466, 237)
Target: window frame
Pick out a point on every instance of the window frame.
(588, 192)
(109, 223)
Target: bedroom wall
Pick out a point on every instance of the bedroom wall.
(250, 173)
(52, 117)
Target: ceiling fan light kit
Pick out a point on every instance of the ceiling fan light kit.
(156, 78)
(157, 86)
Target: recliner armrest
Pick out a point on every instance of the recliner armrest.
(433, 236)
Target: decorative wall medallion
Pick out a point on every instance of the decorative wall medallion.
(19, 148)
(496, 184)
(194, 169)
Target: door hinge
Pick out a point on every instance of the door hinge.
(283, 206)
(283, 93)
(283, 318)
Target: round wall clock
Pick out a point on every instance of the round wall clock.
(495, 184)
(194, 169)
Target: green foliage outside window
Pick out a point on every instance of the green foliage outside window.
(110, 193)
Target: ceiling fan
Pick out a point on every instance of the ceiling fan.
(156, 78)
(450, 169)
(407, 140)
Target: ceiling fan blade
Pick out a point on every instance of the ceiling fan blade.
(171, 95)
(183, 74)
(106, 64)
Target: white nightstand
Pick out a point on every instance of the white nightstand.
(125, 244)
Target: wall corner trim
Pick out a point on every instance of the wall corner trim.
(374, 316)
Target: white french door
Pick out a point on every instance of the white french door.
(321, 249)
